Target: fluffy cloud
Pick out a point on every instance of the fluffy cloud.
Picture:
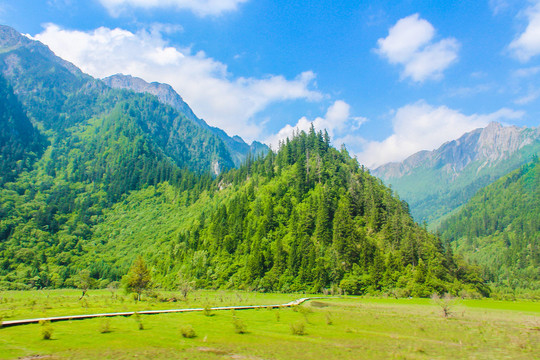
(527, 44)
(410, 43)
(337, 122)
(420, 126)
(199, 7)
(214, 94)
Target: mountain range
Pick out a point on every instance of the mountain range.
(110, 170)
(436, 183)
(97, 172)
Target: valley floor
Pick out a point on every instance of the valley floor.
(337, 328)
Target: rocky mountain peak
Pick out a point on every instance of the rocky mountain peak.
(434, 183)
(497, 142)
(164, 92)
(491, 144)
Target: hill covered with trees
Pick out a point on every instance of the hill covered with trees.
(305, 218)
(499, 228)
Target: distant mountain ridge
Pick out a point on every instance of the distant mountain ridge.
(437, 182)
(58, 95)
(238, 148)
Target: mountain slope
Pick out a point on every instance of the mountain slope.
(58, 96)
(500, 228)
(238, 149)
(437, 182)
(20, 143)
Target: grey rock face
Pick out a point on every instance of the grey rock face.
(489, 145)
(164, 92)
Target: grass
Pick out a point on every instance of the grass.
(374, 328)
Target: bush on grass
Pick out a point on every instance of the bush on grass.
(46, 329)
(239, 325)
(138, 320)
(105, 325)
(298, 328)
(187, 332)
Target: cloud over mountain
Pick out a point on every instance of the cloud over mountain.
(420, 126)
(337, 121)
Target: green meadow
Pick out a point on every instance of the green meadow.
(331, 328)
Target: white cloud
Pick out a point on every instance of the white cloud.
(532, 95)
(498, 6)
(420, 126)
(527, 45)
(199, 7)
(410, 43)
(337, 122)
(206, 84)
(527, 72)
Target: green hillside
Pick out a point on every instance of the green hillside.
(20, 143)
(499, 228)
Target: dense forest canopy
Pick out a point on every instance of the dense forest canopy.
(499, 228)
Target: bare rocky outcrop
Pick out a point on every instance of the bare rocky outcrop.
(489, 145)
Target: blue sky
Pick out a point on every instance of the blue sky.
(387, 79)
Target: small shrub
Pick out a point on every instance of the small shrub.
(207, 311)
(446, 303)
(138, 320)
(46, 329)
(329, 319)
(239, 325)
(278, 316)
(187, 332)
(105, 325)
(298, 328)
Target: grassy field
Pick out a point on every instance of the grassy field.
(337, 328)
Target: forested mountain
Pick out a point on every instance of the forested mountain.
(119, 174)
(102, 143)
(236, 146)
(20, 143)
(499, 228)
(437, 182)
(58, 96)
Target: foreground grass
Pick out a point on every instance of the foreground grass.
(344, 328)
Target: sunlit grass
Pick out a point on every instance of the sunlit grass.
(370, 328)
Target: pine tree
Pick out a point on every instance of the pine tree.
(138, 279)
